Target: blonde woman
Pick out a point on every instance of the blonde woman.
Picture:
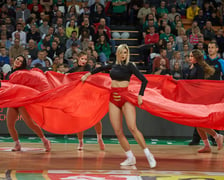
(120, 73)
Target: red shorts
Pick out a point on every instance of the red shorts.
(116, 97)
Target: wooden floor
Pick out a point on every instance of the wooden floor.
(66, 157)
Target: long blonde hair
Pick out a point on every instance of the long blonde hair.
(120, 48)
(208, 70)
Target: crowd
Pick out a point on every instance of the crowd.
(51, 33)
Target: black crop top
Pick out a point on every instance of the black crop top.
(123, 73)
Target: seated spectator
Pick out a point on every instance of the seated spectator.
(167, 33)
(4, 58)
(194, 36)
(207, 9)
(215, 19)
(70, 51)
(186, 51)
(71, 27)
(62, 37)
(170, 51)
(61, 68)
(162, 8)
(192, 11)
(43, 29)
(177, 72)
(19, 31)
(156, 61)
(201, 19)
(4, 41)
(119, 11)
(33, 34)
(208, 32)
(176, 58)
(32, 49)
(185, 67)
(173, 14)
(39, 60)
(143, 11)
(182, 7)
(23, 12)
(15, 50)
(220, 41)
(162, 69)
(54, 50)
(133, 8)
(103, 49)
(72, 39)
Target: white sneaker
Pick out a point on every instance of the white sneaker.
(151, 160)
(129, 162)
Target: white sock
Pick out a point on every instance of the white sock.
(147, 152)
(206, 142)
(129, 154)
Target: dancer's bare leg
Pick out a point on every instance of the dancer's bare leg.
(80, 139)
(11, 116)
(130, 116)
(34, 127)
(203, 134)
(98, 129)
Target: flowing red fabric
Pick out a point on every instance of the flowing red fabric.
(62, 104)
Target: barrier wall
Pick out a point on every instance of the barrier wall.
(149, 125)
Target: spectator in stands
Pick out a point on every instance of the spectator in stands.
(150, 17)
(200, 46)
(215, 19)
(45, 3)
(84, 38)
(39, 60)
(208, 31)
(15, 50)
(32, 49)
(162, 8)
(176, 58)
(194, 36)
(177, 71)
(4, 58)
(43, 29)
(173, 14)
(167, 33)
(23, 12)
(61, 6)
(182, 7)
(71, 13)
(201, 19)
(72, 39)
(185, 67)
(156, 61)
(220, 41)
(35, 3)
(54, 50)
(175, 26)
(207, 9)
(162, 69)
(33, 34)
(133, 8)
(119, 11)
(185, 51)
(6, 31)
(97, 14)
(102, 47)
(91, 2)
(62, 37)
(22, 34)
(86, 25)
(4, 42)
(49, 13)
(71, 27)
(170, 51)
(70, 51)
(179, 38)
(192, 11)
(9, 26)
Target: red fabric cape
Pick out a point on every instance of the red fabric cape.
(62, 104)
